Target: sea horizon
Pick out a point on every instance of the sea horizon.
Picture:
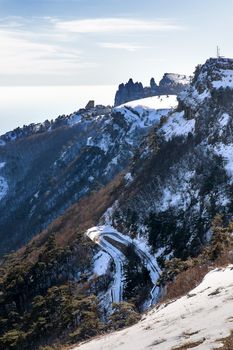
(23, 105)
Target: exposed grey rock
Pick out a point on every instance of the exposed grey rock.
(129, 92)
(170, 84)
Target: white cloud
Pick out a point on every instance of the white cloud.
(21, 55)
(115, 25)
(122, 46)
(50, 49)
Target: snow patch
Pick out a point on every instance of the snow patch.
(226, 80)
(204, 315)
(128, 178)
(103, 143)
(226, 151)
(3, 187)
(177, 125)
(179, 192)
(193, 98)
(75, 118)
(107, 216)
(155, 102)
(101, 263)
(36, 195)
(223, 121)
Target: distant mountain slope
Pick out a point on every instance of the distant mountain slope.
(47, 167)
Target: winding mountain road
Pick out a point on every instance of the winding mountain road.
(100, 235)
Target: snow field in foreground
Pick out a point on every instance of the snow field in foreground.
(204, 315)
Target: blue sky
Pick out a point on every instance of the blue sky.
(104, 42)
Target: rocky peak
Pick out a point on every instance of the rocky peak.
(173, 83)
(129, 92)
(211, 80)
(170, 84)
(214, 74)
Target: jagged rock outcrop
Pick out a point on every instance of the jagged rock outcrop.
(129, 92)
(153, 87)
(170, 84)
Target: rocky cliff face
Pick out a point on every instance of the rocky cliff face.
(129, 92)
(170, 84)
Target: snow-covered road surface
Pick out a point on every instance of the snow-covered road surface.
(99, 234)
(203, 317)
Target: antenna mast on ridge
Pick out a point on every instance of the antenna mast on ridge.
(218, 52)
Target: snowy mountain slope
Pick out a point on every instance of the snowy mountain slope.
(155, 102)
(177, 125)
(50, 166)
(186, 179)
(177, 78)
(202, 317)
(158, 176)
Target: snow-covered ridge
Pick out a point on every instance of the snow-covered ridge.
(216, 73)
(138, 116)
(155, 102)
(80, 116)
(144, 113)
(203, 316)
(173, 78)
